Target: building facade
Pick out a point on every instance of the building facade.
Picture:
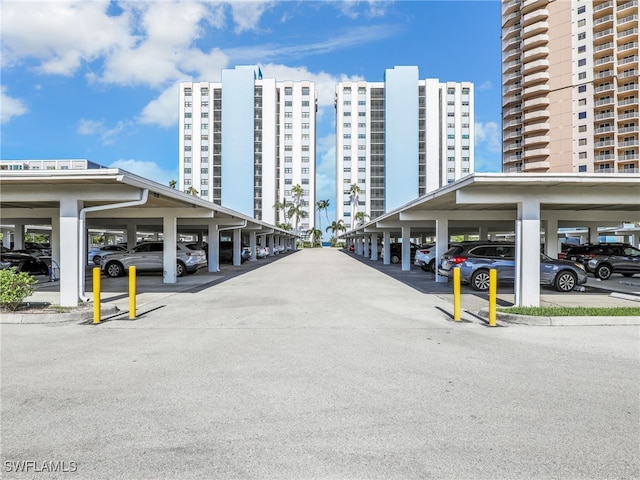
(247, 141)
(399, 139)
(570, 86)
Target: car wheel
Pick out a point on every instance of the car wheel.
(114, 269)
(565, 281)
(432, 266)
(603, 272)
(425, 268)
(480, 280)
(181, 269)
(96, 260)
(395, 258)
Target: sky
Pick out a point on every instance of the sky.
(99, 79)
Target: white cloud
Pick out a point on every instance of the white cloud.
(163, 110)
(89, 127)
(149, 170)
(10, 107)
(352, 8)
(484, 86)
(109, 136)
(246, 15)
(488, 135)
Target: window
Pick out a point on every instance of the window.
(187, 126)
(288, 90)
(362, 102)
(187, 115)
(582, 102)
(305, 90)
(347, 114)
(582, 62)
(288, 148)
(346, 125)
(582, 49)
(581, 9)
(582, 88)
(204, 92)
(288, 103)
(362, 114)
(305, 181)
(582, 142)
(288, 159)
(582, 115)
(288, 170)
(582, 36)
(347, 102)
(582, 22)
(288, 125)
(288, 181)
(305, 159)
(305, 136)
(362, 90)
(204, 104)
(187, 170)
(305, 103)
(362, 135)
(582, 128)
(187, 159)
(204, 159)
(346, 90)
(582, 155)
(187, 91)
(305, 126)
(288, 136)
(347, 169)
(346, 135)
(204, 148)
(205, 126)
(305, 148)
(582, 168)
(288, 114)
(582, 75)
(204, 193)
(187, 148)
(305, 170)
(187, 104)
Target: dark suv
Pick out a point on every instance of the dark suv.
(587, 251)
(616, 258)
(476, 258)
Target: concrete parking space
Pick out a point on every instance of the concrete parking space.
(317, 366)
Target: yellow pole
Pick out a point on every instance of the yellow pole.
(493, 288)
(456, 294)
(132, 292)
(96, 295)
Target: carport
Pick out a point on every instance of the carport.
(532, 207)
(71, 201)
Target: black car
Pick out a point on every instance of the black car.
(396, 251)
(588, 251)
(23, 262)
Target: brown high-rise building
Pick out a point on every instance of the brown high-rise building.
(570, 86)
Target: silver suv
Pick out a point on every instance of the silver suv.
(475, 259)
(147, 257)
(616, 258)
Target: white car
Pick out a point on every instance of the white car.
(95, 254)
(426, 258)
(148, 257)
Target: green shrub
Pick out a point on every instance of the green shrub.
(14, 288)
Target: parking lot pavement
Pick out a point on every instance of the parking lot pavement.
(315, 366)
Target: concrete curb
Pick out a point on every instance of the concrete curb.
(569, 321)
(77, 314)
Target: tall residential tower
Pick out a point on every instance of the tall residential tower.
(399, 139)
(246, 141)
(570, 86)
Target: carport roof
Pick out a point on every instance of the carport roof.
(478, 192)
(21, 191)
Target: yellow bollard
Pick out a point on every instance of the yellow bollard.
(493, 288)
(96, 295)
(456, 294)
(132, 293)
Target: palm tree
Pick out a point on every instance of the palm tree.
(297, 212)
(359, 218)
(192, 191)
(284, 205)
(320, 206)
(297, 191)
(355, 199)
(315, 236)
(336, 227)
(172, 183)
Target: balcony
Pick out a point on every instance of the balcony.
(511, 112)
(535, 90)
(604, 47)
(535, 29)
(529, 4)
(625, 116)
(511, 100)
(510, 7)
(536, 103)
(624, 130)
(510, 19)
(628, 32)
(603, 61)
(535, 54)
(512, 123)
(509, 147)
(537, 15)
(604, 74)
(512, 135)
(605, 157)
(511, 66)
(511, 43)
(628, 170)
(604, 115)
(632, 73)
(536, 115)
(628, 88)
(510, 78)
(512, 158)
(625, 6)
(511, 89)
(511, 55)
(536, 140)
(604, 143)
(627, 19)
(603, 88)
(602, 8)
(535, 66)
(627, 101)
(628, 143)
(627, 46)
(629, 157)
(535, 127)
(627, 60)
(607, 129)
(535, 41)
(510, 32)
(603, 34)
(539, 165)
(534, 78)
(603, 20)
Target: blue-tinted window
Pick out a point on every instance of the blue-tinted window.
(582, 62)
(582, 115)
(582, 9)
(582, 168)
(582, 88)
(582, 48)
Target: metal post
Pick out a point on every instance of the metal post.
(493, 284)
(456, 294)
(96, 295)
(132, 292)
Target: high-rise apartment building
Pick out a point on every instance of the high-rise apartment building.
(399, 139)
(247, 141)
(570, 86)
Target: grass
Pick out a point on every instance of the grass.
(573, 311)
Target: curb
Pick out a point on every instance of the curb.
(569, 321)
(77, 314)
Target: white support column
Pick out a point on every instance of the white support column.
(527, 281)
(374, 247)
(252, 246)
(271, 244)
(18, 235)
(169, 258)
(55, 246)
(442, 244)
(70, 238)
(634, 240)
(6, 238)
(359, 246)
(406, 247)
(132, 235)
(214, 247)
(593, 232)
(483, 233)
(551, 241)
(237, 246)
(386, 248)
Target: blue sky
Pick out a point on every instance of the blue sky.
(98, 79)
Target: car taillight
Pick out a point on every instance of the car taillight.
(188, 254)
(456, 260)
(592, 255)
(424, 252)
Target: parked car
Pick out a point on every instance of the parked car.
(23, 262)
(476, 258)
(396, 251)
(262, 252)
(618, 259)
(226, 252)
(148, 257)
(425, 257)
(95, 254)
(45, 249)
(588, 251)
